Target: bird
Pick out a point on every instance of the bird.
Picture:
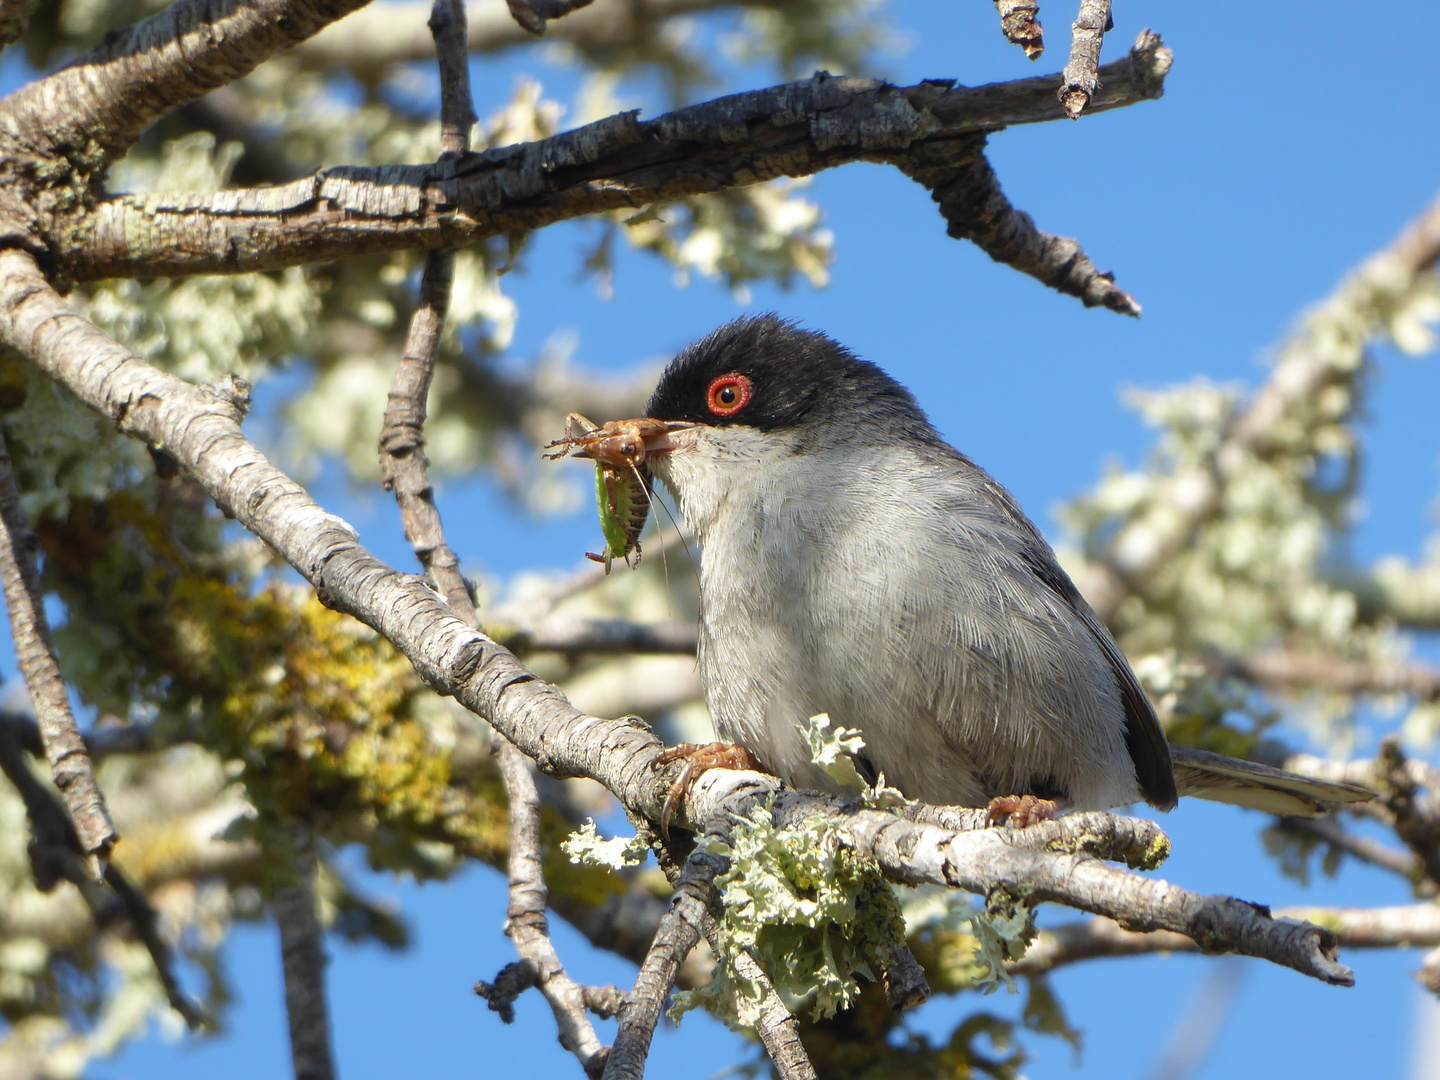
(853, 563)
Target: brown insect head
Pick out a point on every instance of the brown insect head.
(618, 443)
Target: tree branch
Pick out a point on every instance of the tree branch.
(532, 15)
(564, 634)
(302, 950)
(1329, 831)
(1020, 23)
(54, 852)
(201, 431)
(1358, 928)
(960, 179)
(1081, 72)
(109, 96)
(402, 460)
(616, 163)
(679, 932)
(70, 763)
(528, 927)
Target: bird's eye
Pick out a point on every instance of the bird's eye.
(728, 394)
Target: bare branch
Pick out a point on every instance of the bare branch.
(145, 922)
(777, 1027)
(558, 633)
(529, 929)
(620, 162)
(1329, 831)
(1020, 22)
(302, 950)
(109, 96)
(70, 763)
(1086, 35)
(1357, 928)
(1408, 799)
(402, 460)
(678, 933)
(204, 437)
(55, 856)
(960, 179)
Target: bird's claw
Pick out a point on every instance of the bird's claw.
(699, 758)
(1021, 811)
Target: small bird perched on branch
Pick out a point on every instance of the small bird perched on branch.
(853, 563)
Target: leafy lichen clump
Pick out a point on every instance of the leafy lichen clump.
(814, 912)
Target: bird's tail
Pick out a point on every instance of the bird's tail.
(1244, 783)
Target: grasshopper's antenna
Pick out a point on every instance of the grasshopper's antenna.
(679, 534)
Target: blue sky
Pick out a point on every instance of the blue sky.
(1292, 141)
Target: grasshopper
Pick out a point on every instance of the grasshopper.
(622, 481)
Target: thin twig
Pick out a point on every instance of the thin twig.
(1288, 668)
(1020, 22)
(145, 921)
(55, 856)
(600, 636)
(70, 763)
(406, 474)
(529, 929)
(1329, 831)
(679, 931)
(1081, 76)
(776, 1026)
(302, 953)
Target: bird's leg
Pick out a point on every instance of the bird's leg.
(1022, 811)
(699, 758)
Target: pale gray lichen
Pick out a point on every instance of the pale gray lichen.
(814, 912)
(586, 846)
(835, 751)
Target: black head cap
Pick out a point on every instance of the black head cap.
(795, 377)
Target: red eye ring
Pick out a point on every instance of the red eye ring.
(728, 394)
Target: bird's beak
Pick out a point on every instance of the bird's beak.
(660, 442)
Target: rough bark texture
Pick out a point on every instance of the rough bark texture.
(619, 162)
(1086, 36)
(106, 98)
(679, 932)
(962, 182)
(1020, 22)
(1359, 928)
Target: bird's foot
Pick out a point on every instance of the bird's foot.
(699, 758)
(1021, 811)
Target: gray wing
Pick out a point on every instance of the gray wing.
(1144, 738)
